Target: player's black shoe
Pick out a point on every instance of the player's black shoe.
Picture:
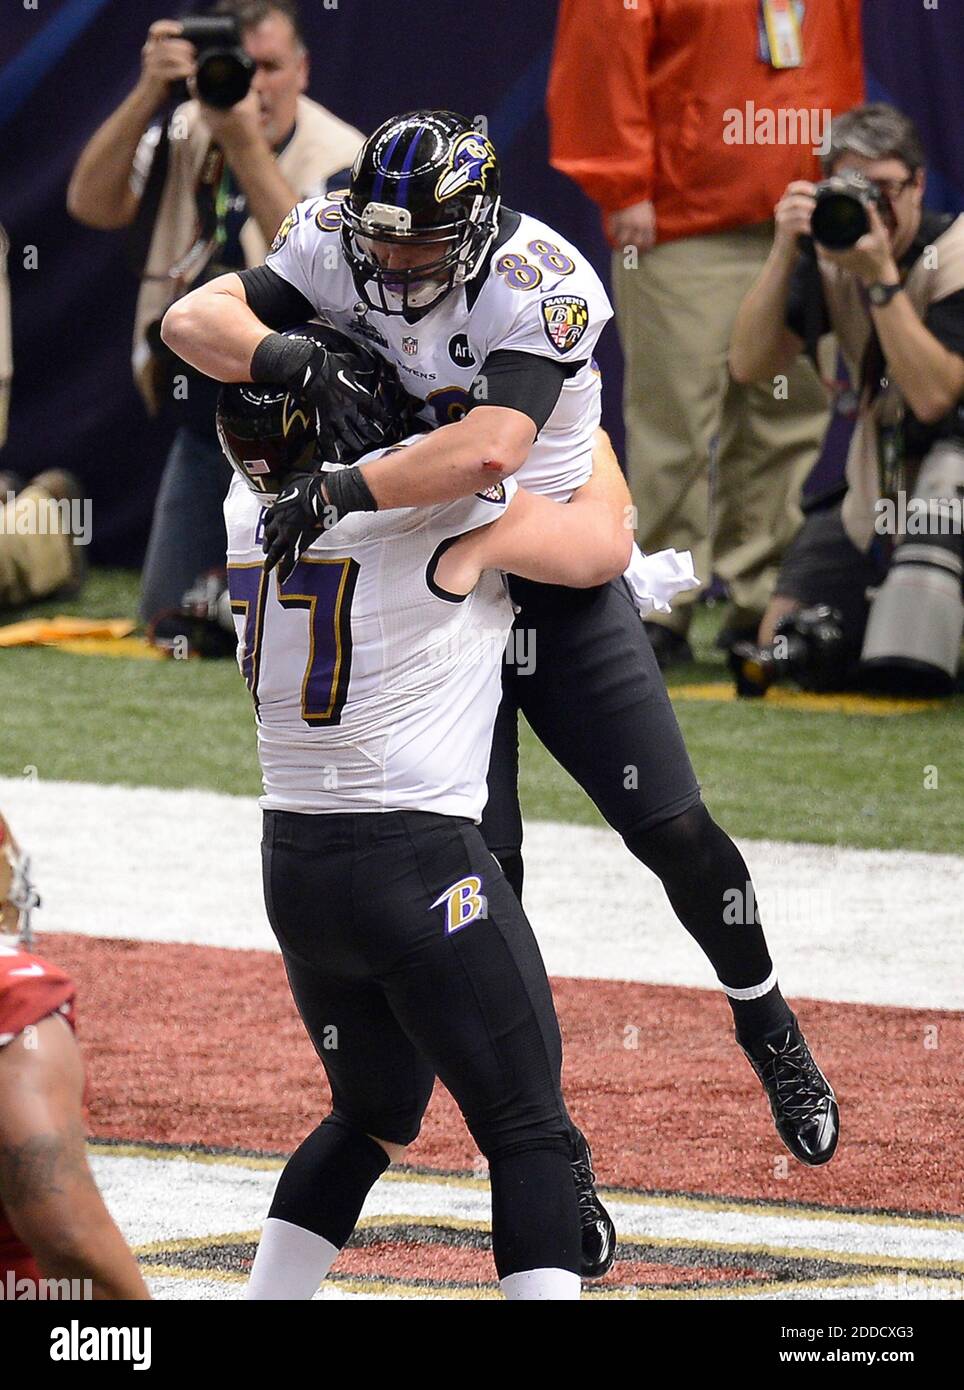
(598, 1231)
(801, 1098)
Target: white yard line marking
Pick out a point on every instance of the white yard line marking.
(843, 924)
(159, 1202)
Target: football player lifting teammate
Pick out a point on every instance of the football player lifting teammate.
(490, 318)
(375, 666)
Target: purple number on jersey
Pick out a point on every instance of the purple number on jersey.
(324, 587)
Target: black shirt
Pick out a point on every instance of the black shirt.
(944, 318)
(807, 316)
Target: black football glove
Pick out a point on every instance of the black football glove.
(298, 517)
(362, 417)
(302, 513)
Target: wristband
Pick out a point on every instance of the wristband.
(347, 492)
(277, 359)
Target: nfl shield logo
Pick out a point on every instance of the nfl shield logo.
(410, 345)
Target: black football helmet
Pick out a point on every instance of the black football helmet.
(268, 434)
(427, 179)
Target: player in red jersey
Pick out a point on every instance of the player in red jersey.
(53, 1221)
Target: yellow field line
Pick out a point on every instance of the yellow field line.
(882, 1262)
(779, 698)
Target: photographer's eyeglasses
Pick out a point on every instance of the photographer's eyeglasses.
(893, 188)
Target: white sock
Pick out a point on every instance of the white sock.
(290, 1262)
(558, 1284)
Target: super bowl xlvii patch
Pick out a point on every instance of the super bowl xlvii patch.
(565, 318)
(284, 230)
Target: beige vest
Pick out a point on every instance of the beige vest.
(936, 274)
(321, 146)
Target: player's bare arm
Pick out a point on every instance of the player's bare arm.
(46, 1185)
(587, 541)
(214, 329)
(490, 443)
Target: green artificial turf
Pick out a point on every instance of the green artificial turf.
(767, 772)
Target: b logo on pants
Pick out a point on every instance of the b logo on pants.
(464, 903)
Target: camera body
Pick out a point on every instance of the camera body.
(841, 216)
(224, 70)
(808, 647)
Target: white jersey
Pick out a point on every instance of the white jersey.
(374, 689)
(536, 295)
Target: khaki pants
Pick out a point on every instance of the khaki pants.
(35, 548)
(675, 313)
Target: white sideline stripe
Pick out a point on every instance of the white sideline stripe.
(865, 926)
(155, 1199)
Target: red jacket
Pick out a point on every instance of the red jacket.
(640, 98)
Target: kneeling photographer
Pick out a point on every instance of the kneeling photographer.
(203, 184)
(869, 593)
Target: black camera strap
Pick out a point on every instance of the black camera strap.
(141, 230)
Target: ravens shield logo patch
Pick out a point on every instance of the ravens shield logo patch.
(281, 236)
(565, 318)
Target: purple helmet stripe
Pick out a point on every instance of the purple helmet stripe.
(380, 180)
(407, 166)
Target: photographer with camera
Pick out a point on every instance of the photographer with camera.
(859, 256)
(204, 188)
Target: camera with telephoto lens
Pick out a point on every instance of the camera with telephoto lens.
(224, 71)
(808, 647)
(841, 216)
(912, 645)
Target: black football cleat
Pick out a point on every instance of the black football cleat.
(801, 1098)
(598, 1231)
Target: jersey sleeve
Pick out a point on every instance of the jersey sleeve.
(561, 317)
(303, 248)
(30, 989)
(469, 513)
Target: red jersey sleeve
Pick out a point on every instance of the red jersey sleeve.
(30, 989)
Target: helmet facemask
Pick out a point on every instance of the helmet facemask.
(461, 244)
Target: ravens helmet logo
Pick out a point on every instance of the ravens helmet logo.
(472, 158)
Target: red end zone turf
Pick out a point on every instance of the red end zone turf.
(195, 1045)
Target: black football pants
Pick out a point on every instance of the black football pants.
(580, 667)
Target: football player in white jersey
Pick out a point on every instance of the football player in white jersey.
(490, 318)
(375, 666)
